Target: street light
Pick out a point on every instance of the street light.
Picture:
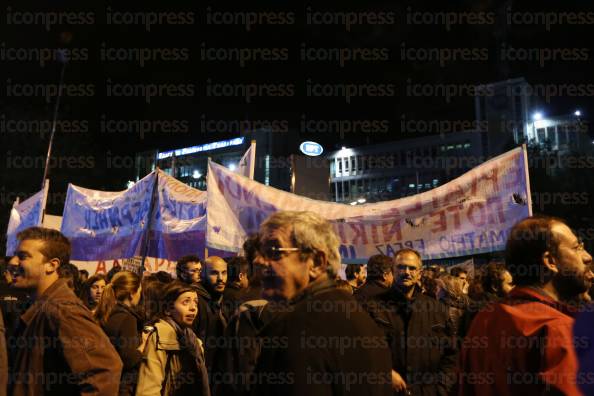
(577, 113)
(537, 116)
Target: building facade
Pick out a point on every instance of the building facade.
(189, 164)
(393, 170)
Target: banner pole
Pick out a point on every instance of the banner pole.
(44, 204)
(253, 159)
(62, 58)
(149, 225)
(526, 170)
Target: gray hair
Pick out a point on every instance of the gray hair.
(310, 232)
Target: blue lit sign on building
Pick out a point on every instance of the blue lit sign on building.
(201, 148)
(312, 149)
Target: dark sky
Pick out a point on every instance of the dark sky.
(192, 58)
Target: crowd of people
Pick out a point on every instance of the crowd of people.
(279, 320)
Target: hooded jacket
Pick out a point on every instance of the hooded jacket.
(523, 345)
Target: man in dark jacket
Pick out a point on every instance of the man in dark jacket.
(61, 350)
(380, 277)
(321, 342)
(417, 329)
(212, 318)
(237, 283)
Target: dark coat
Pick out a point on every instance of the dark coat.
(210, 323)
(370, 289)
(422, 341)
(322, 344)
(3, 358)
(239, 355)
(64, 352)
(456, 309)
(123, 329)
(233, 297)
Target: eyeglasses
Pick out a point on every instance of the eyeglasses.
(276, 253)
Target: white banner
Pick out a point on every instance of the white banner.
(247, 163)
(469, 215)
(28, 213)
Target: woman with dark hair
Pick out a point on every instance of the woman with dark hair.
(92, 290)
(174, 356)
(117, 316)
(492, 283)
(152, 291)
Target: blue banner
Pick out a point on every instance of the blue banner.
(107, 225)
(23, 215)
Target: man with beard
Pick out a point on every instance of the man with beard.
(417, 329)
(528, 345)
(212, 319)
(188, 269)
(320, 342)
(356, 274)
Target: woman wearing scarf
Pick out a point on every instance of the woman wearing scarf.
(174, 357)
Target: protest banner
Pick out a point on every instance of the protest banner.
(28, 213)
(104, 225)
(471, 214)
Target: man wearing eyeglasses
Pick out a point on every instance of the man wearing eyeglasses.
(417, 330)
(320, 342)
(528, 345)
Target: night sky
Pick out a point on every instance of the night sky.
(195, 69)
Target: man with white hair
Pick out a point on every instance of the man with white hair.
(321, 343)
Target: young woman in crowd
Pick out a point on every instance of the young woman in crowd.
(92, 290)
(174, 357)
(117, 315)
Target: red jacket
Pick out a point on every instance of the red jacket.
(523, 345)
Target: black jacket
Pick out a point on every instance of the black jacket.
(322, 343)
(123, 329)
(210, 323)
(370, 289)
(423, 343)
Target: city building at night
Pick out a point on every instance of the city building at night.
(393, 170)
(279, 162)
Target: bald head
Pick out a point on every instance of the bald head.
(214, 274)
